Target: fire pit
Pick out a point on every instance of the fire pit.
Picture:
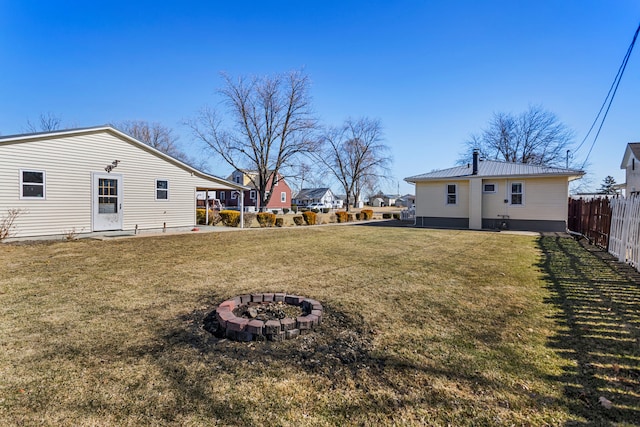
(269, 316)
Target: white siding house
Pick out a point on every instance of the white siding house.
(493, 195)
(96, 179)
(631, 165)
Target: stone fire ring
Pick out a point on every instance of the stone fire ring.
(242, 329)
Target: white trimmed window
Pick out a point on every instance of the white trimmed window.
(223, 194)
(234, 195)
(452, 194)
(517, 193)
(32, 184)
(489, 188)
(252, 194)
(162, 189)
(283, 197)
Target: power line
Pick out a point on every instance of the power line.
(609, 98)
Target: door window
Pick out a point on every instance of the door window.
(107, 196)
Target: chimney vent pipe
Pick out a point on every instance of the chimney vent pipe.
(475, 161)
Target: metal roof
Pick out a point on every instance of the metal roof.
(494, 169)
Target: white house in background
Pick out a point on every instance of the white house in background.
(96, 179)
(306, 196)
(631, 165)
(494, 195)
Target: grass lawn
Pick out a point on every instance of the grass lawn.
(422, 327)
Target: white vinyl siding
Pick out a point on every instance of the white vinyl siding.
(430, 203)
(546, 199)
(69, 162)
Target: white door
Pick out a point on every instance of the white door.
(107, 201)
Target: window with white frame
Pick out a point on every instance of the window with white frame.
(517, 193)
(252, 194)
(283, 197)
(223, 194)
(489, 188)
(234, 195)
(162, 189)
(32, 184)
(452, 194)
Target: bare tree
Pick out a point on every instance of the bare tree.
(270, 124)
(159, 137)
(46, 123)
(355, 155)
(535, 136)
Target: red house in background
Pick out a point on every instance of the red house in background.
(280, 199)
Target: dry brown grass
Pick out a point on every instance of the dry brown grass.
(423, 327)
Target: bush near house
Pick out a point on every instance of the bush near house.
(386, 215)
(230, 218)
(298, 220)
(279, 222)
(309, 217)
(266, 219)
(366, 214)
(342, 216)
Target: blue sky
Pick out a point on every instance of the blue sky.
(434, 72)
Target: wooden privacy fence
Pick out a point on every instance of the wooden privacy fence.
(591, 218)
(624, 240)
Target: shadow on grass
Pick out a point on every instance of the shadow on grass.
(599, 319)
(340, 356)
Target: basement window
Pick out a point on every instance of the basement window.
(162, 189)
(489, 188)
(452, 194)
(32, 184)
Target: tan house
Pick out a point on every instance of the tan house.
(96, 179)
(631, 165)
(494, 195)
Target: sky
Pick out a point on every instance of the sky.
(433, 72)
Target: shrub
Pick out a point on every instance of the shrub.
(315, 211)
(310, 217)
(266, 219)
(326, 210)
(285, 210)
(350, 217)
(275, 211)
(294, 208)
(358, 216)
(396, 216)
(386, 215)
(298, 220)
(279, 222)
(248, 219)
(230, 218)
(342, 216)
(366, 214)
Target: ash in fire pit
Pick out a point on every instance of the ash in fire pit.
(267, 316)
